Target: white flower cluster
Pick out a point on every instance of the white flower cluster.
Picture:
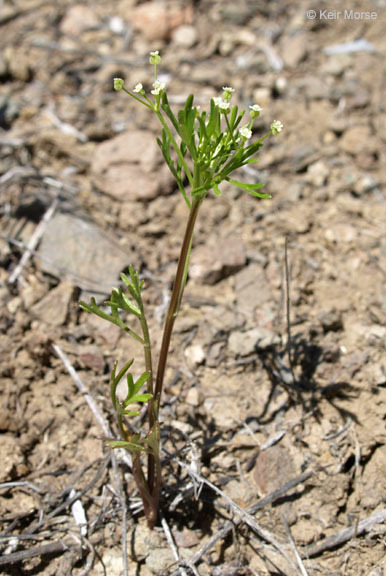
(157, 87)
(276, 127)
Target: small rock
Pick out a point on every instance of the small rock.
(193, 397)
(294, 49)
(77, 19)
(195, 355)
(124, 167)
(331, 321)
(341, 233)
(212, 262)
(237, 14)
(54, 307)
(358, 140)
(91, 357)
(238, 492)
(262, 96)
(186, 539)
(245, 343)
(216, 352)
(364, 184)
(252, 287)
(314, 87)
(157, 20)
(185, 36)
(281, 85)
(336, 65)
(160, 559)
(374, 490)
(77, 250)
(317, 173)
(273, 468)
(143, 542)
(18, 64)
(12, 460)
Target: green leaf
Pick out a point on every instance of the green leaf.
(250, 188)
(216, 189)
(214, 116)
(127, 445)
(168, 111)
(122, 372)
(131, 412)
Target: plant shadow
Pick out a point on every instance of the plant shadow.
(294, 371)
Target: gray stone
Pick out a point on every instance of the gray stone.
(159, 560)
(185, 36)
(54, 307)
(317, 173)
(212, 262)
(245, 343)
(294, 49)
(125, 167)
(252, 288)
(77, 19)
(79, 251)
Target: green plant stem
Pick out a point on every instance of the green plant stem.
(176, 298)
(176, 148)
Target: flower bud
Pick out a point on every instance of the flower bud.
(118, 84)
(155, 58)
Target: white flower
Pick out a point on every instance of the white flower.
(155, 58)
(224, 106)
(138, 87)
(158, 87)
(118, 84)
(217, 100)
(228, 91)
(276, 127)
(245, 132)
(255, 110)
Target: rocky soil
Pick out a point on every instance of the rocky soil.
(84, 194)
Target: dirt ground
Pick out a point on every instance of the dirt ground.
(84, 194)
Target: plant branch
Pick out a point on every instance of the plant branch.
(176, 298)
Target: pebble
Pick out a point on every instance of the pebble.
(336, 65)
(273, 468)
(74, 249)
(294, 49)
(186, 538)
(317, 173)
(245, 343)
(341, 233)
(77, 19)
(12, 459)
(18, 64)
(159, 559)
(124, 167)
(185, 36)
(193, 397)
(358, 140)
(195, 355)
(157, 20)
(54, 308)
(331, 321)
(252, 287)
(213, 261)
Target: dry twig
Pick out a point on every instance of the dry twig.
(230, 524)
(34, 241)
(344, 535)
